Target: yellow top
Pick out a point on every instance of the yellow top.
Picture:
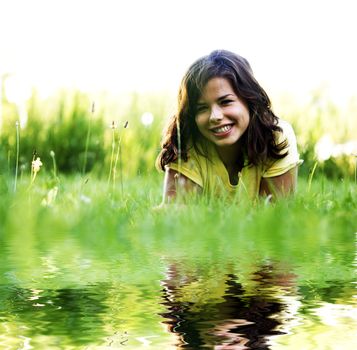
(211, 174)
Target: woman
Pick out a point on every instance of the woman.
(224, 136)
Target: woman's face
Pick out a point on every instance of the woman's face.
(222, 117)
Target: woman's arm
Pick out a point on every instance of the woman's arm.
(279, 186)
(175, 183)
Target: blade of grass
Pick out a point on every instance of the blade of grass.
(17, 152)
(311, 176)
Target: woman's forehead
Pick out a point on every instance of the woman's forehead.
(215, 88)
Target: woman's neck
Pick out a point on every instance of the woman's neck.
(231, 157)
(230, 154)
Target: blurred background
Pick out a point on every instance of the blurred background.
(70, 71)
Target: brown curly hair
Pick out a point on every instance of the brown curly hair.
(258, 142)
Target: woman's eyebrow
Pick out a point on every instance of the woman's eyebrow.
(224, 96)
(218, 99)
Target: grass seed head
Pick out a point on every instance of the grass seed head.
(36, 165)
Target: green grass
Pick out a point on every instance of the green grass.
(86, 219)
(81, 138)
(86, 204)
(89, 205)
(319, 220)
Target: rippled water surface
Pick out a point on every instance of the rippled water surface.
(112, 290)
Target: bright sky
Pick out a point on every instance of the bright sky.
(293, 46)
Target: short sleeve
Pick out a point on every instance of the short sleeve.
(292, 159)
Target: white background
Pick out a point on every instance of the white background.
(293, 46)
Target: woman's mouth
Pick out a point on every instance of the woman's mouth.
(222, 130)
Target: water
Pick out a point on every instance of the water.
(106, 291)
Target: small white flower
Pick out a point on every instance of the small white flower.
(36, 165)
(50, 197)
(85, 199)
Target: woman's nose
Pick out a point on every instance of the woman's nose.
(216, 114)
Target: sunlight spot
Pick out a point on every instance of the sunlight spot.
(147, 118)
(35, 294)
(325, 148)
(26, 344)
(16, 89)
(145, 340)
(336, 314)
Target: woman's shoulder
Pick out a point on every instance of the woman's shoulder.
(287, 132)
(292, 158)
(201, 161)
(190, 166)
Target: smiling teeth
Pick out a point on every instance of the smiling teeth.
(222, 129)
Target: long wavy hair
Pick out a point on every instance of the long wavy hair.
(258, 141)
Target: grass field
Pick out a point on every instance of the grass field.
(98, 170)
(80, 204)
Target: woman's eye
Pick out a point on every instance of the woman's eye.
(226, 102)
(201, 109)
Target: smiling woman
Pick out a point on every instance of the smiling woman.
(225, 137)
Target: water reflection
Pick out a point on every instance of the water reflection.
(253, 294)
(229, 316)
(75, 316)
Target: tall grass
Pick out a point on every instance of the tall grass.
(17, 153)
(86, 210)
(87, 140)
(317, 117)
(66, 125)
(82, 140)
